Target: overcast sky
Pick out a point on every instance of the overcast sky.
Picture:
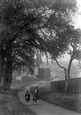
(77, 19)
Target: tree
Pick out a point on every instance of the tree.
(74, 50)
(26, 28)
(18, 35)
(41, 74)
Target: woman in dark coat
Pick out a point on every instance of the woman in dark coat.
(36, 95)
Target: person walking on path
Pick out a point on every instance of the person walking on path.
(36, 95)
(45, 108)
(27, 97)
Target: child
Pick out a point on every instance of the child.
(27, 97)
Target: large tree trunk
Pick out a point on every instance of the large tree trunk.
(66, 81)
(8, 69)
(66, 78)
(0, 68)
(1, 65)
(7, 76)
(69, 67)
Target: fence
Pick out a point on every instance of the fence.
(59, 86)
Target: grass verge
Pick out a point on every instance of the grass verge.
(11, 105)
(69, 101)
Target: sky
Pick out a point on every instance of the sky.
(77, 19)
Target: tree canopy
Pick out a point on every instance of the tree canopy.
(28, 25)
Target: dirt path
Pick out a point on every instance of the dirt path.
(45, 108)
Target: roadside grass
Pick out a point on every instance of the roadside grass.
(11, 105)
(68, 101)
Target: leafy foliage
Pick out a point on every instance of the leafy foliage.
(28, 26)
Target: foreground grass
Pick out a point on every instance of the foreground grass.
(11, 105)
(69, 101)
